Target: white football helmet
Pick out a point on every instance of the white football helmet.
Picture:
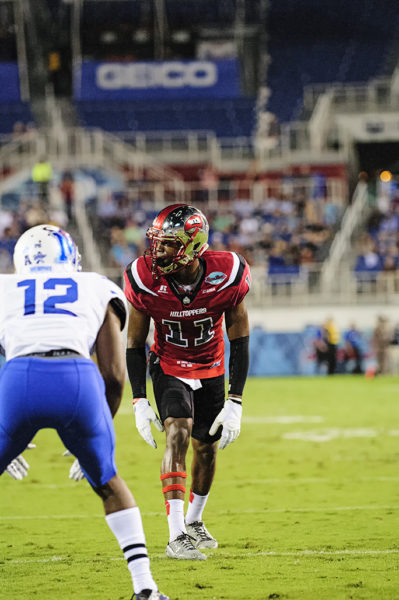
(46, 248)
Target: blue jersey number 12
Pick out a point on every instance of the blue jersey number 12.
(49, 305)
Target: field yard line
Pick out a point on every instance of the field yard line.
(306, 510)
(293, 480)
(271, 480)
(221, 512)
(281, 419)
(259, 419)
(271, 553)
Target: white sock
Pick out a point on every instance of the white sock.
(196, 507)
(175, 512)
(127, 527)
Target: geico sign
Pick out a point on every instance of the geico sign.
(173, 74)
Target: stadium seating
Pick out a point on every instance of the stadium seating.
(227, 118)
(313, 42)
(12, 113)
(179, 14)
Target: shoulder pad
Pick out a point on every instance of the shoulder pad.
(139, 276)
(230, 263)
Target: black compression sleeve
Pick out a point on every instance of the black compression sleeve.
(238, 365)
(137, 370)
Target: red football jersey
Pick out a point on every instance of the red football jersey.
(188, 328)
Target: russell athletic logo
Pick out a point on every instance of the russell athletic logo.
(215, 278)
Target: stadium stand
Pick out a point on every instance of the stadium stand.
(226, 118)
(377, 246)
(284, 230)
(15, 117)
(281, 210)
(14, 114)
(312, 42)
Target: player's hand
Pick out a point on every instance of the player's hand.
(75, 472)
(230, 418)
(18, 468)
(144, 416)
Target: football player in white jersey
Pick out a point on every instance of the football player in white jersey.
(51, 317)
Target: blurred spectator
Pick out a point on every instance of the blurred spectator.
(6, 219)
(394, 351)
(380, 341)
(121, 252)
(353, 349)
(35, 215)
(18, 129)
(209, 178)
(326, 345)
(67, 189)
(286, 225)
(42, 174)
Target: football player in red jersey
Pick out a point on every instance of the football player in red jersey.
(187, 290)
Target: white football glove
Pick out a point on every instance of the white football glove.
(75, 472)
(144, 416)
(18, 468)
(230, 418)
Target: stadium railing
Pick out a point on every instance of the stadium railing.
(74, 147)
(296, 140)
(350, 289)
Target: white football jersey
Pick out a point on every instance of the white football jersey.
(47, 311)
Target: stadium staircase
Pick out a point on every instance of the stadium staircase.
(340, 254)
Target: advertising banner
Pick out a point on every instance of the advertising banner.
(174, 79)
(9, 82)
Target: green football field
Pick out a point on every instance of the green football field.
(305, 505)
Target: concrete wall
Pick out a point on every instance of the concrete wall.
(291, 319)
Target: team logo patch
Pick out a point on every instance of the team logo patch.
(193, 221)
(215, 278)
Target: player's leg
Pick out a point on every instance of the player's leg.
(175, 406)
(16, 430)
(202, 473)
(331, 359)
(208, 402)
(90, 437)
(124, 519)
(358, 360)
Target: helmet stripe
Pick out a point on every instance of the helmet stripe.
(159, 220)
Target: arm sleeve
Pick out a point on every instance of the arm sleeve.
(238, 365)
(137, 370)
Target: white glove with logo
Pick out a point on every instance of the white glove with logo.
(230, 418)
(144, 416)
(18, 468)
(75, 472)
